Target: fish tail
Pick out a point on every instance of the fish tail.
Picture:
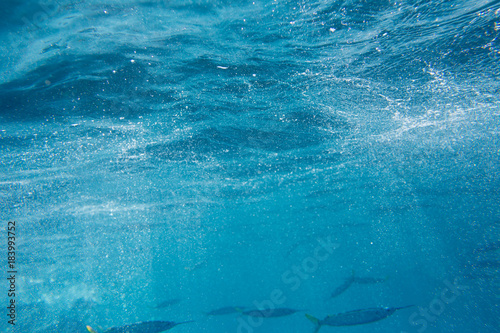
(315, 321)
(90, 329)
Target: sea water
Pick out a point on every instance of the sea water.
(253, 154)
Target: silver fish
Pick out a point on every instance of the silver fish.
(344, 286)
(167, 303)
(356, 317)
(279, 312)
(490, 247)
(486, 264)
(144, 327)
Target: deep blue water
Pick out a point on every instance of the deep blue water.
(204, 150)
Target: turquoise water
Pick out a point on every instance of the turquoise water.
(251, 154)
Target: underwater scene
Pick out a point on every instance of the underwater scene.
(250, 166)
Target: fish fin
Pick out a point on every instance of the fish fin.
(90, 329)
(353, 273)
(240, 310)
(315, 321)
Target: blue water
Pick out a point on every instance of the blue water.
(204, 150)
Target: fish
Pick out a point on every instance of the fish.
(344, 286)
(279, 312)
(143, 327)
(487, 264)
(480, 276)
(167, 303)
(225, 310)
(490, 247)
(355, 317)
